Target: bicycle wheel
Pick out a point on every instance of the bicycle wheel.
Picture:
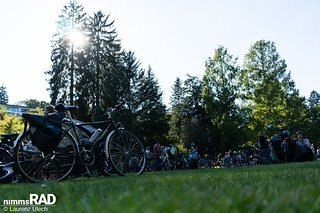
(6, 174)
(125, 152)
(5, 169)
(5, 156)
(37, 166)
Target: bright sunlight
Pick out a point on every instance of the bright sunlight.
(77, 38)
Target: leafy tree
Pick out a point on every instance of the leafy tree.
(33, 103)
(314, 98)
(3, 111)
(188, 118)
(221, 94)
(151, 113)
(130, 78)
(105, 48)
(296, 112)
(269, 87)
(122, 83)
(10, 124)
(192, 100)
(177, 93)
(3, 95)
(36, 110)
(100, 75)
(64, 60)
(176, 116)
(195, 124)
(84, 87)
(312, 127)
(79, 73)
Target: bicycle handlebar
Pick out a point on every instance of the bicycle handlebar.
(116, 107)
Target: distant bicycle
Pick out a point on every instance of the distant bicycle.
(113, 149)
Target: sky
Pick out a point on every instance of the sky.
(174, 37)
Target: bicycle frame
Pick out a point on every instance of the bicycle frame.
(111, 126)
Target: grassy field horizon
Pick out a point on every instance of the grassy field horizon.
(291, 187)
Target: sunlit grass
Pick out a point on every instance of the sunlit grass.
(270, 188)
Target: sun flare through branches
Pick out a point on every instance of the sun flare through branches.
(77, 38)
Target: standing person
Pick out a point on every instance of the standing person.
(303, 151)
(284, 148)
(210, 148)
(288, 145)
(157, 154)
(193, 156)
(264, 146)
(285, 137)
(276, 147)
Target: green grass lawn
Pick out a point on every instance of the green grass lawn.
(270, 188)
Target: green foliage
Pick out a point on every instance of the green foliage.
(235, 103)
(37, 110)
(175, 132)
(103, 54)
(311, 127)
(65, 55)
(122, 83)
(269, 89)
(3, 111)
(221, 98)
(188, 120)
(33, 103)
(3, 95)
(314, 98)
(10, 124)
(151, 112)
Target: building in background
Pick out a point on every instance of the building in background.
(16, 110)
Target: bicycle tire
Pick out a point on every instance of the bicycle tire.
(125, 152)
(37, 166)
(5, 156)
(6, 174)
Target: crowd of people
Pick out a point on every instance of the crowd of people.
(285, 149)
(280, 148)
(170, 157)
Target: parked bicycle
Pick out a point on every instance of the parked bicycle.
(113, 148)
(6, 157)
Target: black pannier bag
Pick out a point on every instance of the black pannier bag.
(46, 130)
